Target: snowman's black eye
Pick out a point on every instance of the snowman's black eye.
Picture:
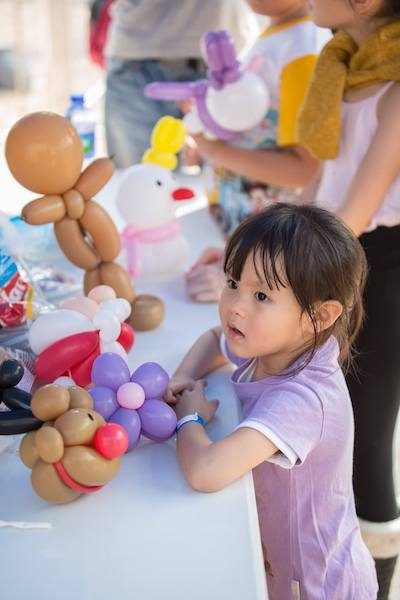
(158, 182)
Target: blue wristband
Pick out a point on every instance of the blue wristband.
(193, 418)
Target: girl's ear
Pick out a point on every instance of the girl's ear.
(327, 313)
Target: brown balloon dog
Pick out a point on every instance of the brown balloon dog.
(45, 155)
(64, 462)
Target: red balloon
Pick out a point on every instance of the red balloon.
(64, 354)
(82, 372)
(126, 337)
(111, 440)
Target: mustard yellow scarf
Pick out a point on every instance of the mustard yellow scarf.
(340, 66)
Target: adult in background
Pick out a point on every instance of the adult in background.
(158, 41)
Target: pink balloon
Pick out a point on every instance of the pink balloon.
(130, 395)
(83, 305)
(101, 292)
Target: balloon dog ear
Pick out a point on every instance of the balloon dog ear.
(50, 402)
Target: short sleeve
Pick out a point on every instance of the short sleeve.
(294, 416)
(236, 360)
(294, 82)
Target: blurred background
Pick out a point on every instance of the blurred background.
(44, 58)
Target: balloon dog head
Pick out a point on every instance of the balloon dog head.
(74, 452)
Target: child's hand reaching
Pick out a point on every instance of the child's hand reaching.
(177, 385)
(194, 400)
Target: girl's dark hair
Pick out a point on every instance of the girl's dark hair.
(391, 8)
(312, 251)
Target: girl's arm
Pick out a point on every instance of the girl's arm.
(210, 466)
(379, 168)
(291, 166)
(204, 356)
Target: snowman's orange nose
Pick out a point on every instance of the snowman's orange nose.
(182, 194)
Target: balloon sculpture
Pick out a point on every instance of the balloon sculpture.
(74, 452)
(68, 340)
(19, 417)
(146, 197)
(132, 401)
(231, 100)
(45, 154)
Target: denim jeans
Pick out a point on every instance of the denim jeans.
(129, 115)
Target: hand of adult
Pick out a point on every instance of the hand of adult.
(204, 281)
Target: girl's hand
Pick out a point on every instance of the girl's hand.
(178, 384)
(208, 149)
(194, 400)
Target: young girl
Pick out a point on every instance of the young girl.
(352, 118)
(289, 310)
(267, 158)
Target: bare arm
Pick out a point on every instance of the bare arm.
(210, 466)
(379, 168)
(291, 166)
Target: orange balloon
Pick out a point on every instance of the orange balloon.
(44, 153)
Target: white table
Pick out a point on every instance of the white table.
(146, 535)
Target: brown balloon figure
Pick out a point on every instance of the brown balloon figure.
(64, 454)
(45, 155)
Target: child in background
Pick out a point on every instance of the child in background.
(290, 309)
(351, 118)
(267, 157)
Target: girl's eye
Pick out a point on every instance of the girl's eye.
(231, 283)
(261, 297)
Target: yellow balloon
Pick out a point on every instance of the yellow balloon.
(164, 159)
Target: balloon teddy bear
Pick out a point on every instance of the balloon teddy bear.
(132, 401)
(19, 417)
(45, 154)
(74, 452)
(230, 101)
(146, 198)
(68, 340)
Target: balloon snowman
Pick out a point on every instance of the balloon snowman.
(146, 197)
(231, 100)
(45, 154)
(68, 340)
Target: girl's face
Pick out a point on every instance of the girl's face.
(263, 323)
(275, 8)
(334, 14)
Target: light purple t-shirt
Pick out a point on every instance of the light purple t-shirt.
(305, 500)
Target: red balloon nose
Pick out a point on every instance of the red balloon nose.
(182, 194)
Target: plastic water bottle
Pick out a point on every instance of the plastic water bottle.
(82, 118)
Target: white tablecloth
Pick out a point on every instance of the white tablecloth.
(146, 535)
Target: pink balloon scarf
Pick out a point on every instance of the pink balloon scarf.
(132, 237)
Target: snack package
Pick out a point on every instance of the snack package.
(15, 294)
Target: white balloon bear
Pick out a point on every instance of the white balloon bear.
(146, 198)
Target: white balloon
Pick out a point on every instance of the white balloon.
(109, 325)
(65, 381)
(50, 327)
(143, 196)
(118, 306)
(241, 105)
(114, 347)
